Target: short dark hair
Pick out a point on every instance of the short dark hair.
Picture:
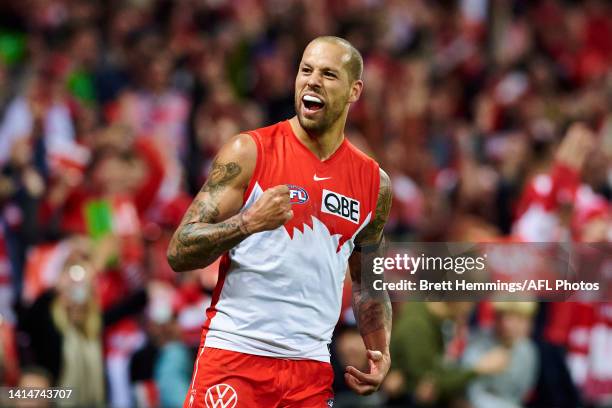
(354, 65)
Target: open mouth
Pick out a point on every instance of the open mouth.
(312, 103)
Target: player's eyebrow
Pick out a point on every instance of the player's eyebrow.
(324, 68)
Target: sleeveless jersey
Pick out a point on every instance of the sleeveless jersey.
(279, 292)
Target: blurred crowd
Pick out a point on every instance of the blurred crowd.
(492, 117)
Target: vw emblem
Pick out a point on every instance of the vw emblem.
(221, 396)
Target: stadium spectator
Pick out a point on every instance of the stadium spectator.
(65, 330)
(161, 369)
(64, 327)
(510, 387)
(421, 366)
(23, 176)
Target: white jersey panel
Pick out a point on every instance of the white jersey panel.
(282, 296)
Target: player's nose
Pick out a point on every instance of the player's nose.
(314, 81)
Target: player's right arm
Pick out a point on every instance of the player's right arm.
(213, 224)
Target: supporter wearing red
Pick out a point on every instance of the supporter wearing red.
(583, 328)
(549, 199)
(286, 206)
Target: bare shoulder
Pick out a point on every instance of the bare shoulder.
(372, 233)
(385, 182)
(383, 204)
(240, 148)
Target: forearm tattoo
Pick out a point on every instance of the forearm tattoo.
(372, 308)
(200, 239)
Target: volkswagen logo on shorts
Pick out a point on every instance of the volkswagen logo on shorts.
(297, 195)
(221, 396)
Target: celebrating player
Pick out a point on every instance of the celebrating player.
(287, 207)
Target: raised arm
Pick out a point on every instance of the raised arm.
(213, 224)
(372, 308)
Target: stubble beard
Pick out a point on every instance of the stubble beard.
(318, 127)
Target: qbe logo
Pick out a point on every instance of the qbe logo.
(342, 206)
(221, 396)
(297, 195)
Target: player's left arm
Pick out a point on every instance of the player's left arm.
(372, 308)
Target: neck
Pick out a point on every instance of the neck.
(322, 145)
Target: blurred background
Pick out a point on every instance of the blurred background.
(492, 117)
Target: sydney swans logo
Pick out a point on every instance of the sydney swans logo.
(221, 396)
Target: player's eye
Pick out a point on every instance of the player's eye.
(330, 75)
(306, 70)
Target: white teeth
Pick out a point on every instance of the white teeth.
(310, 98)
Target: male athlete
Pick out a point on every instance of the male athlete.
(287, 206)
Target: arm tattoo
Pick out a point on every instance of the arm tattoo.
(373, 231)
(372, 308)
(220, 175)
(200, 239)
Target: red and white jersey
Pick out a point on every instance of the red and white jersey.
(279, 292)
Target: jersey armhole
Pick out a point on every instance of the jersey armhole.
(376, 189)
(255, 136)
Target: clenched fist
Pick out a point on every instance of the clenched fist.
(270, 211)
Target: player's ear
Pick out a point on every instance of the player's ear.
(356, 89)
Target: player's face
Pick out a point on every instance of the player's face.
(323, 88)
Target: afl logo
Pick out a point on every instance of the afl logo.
(221, 396)
(297, 195)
